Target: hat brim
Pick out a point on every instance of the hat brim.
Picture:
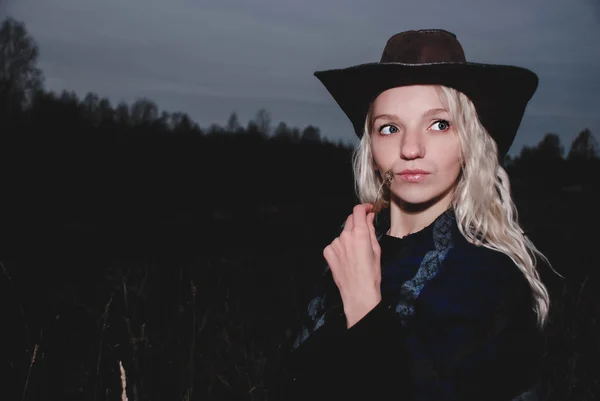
(500, 93)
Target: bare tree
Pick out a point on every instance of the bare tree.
(20, 78)
(144, 112)
(263, 122)
(283, 132)
(233, 123)
(122, 113)
(584, 147)
(185, 124)
(105, 110)
(91, 103)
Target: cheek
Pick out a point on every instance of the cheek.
(452, 149)
(449, 157)
(382, 153)
(378, 156)
(453, 162)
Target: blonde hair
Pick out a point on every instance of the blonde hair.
(486, 214)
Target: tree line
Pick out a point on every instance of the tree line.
(22, 94)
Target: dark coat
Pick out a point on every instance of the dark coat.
(456, 322)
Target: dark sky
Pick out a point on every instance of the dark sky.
(209, 58)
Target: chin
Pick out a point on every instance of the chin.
(420, 198)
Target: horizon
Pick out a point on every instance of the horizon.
(203, 59)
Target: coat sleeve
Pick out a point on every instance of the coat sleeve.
(338, 363)
(473, 337)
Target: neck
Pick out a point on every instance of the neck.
(407, 218)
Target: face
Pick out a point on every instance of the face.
(412, 135)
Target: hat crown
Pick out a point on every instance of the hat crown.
(423, 46)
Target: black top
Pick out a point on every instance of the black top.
(456, 323)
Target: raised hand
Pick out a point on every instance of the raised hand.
(354, 260)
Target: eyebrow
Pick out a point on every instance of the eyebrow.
(428, 113)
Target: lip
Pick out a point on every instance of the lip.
(411, 172)
(413, 175)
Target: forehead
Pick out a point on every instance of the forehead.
(409, 99)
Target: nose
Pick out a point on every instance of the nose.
(412, 146)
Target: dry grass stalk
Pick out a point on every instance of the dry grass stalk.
(381, 203)
(35, 349)
(105, 318)
(193, 344)
(123, 382)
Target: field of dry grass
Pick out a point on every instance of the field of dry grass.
(215, 325)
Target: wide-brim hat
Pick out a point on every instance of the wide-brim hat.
(500, 93)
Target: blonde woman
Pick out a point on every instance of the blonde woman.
(431, 290)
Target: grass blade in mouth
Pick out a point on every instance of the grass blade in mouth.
(380, 203)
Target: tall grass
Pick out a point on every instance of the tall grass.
(215, 325)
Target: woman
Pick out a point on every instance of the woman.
(437, 297)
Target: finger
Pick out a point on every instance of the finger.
(349, 224)
(330, 256)
(337, 246)
(360, 215)
(374, 241)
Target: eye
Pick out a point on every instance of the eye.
(388, 129)
(441, 125)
